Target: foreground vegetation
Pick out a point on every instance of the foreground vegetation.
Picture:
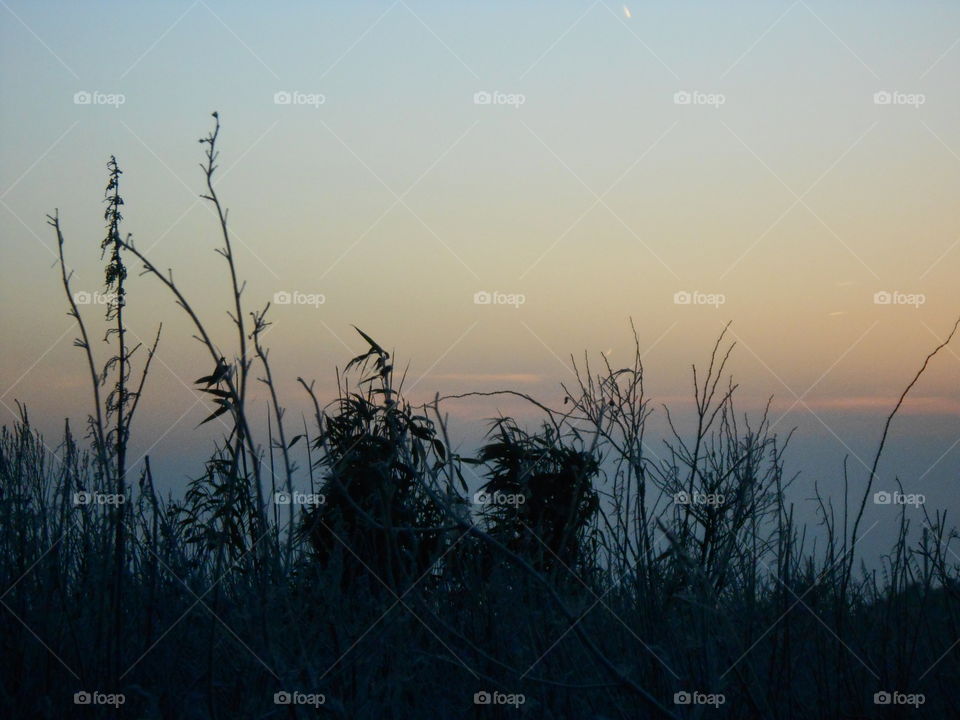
(591, 576)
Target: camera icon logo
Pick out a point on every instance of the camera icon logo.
(682, 698)
(882, 498)
(282, 298)
(282, 498)
(681, 498)
(82, 297)
(82, 498)
(82, 698)
(882, 297)
(482, 298)
(882, 97)
(282, 97)
(882, 698)
(282, 698)
(482, 98)
(682, 298)
(482, 698)
(82, 98)
(682, 98)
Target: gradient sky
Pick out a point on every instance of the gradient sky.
(598, 198)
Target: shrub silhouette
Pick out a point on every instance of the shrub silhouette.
(375, 518)
(539, 499)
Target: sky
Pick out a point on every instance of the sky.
(490, 189)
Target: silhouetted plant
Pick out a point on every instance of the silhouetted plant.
(236, 467)
(375, 517)
(539, 500)
(118, 399)
(121, 402)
